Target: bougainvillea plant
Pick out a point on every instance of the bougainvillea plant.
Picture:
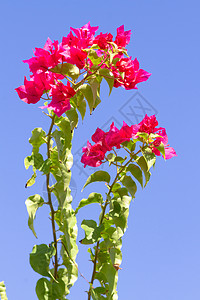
(66, 77)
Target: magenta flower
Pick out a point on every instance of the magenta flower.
(61, 95)
(169, 151)
(74, 56)
(134, 75)
(102, 40)
(85, 35)
(148, 124)
(30, 92)
(123, 37)
(93, 155)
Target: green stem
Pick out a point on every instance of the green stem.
(103, 214)
(50, 200)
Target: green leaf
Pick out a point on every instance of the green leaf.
(67, 69)
(45, 168)
(92, 232)
(98, 176)
(32, 204)
(31, 181)
(82, 108)
(128, 182)
(93, 198)
(94, 84)
(40, 259)
(136, 172)
(37, 139)
(108, 76)
(161, 148)
(116, 256)
(35, 160)
(111, 157)
(149, 157)
(88, 94)
(143, 165)
(3, 291)
(111, 275)
(96, 60)
(47, 290)
(73, 117)
(65, 127)
(130, 145)
(143, 135)
(120, 159)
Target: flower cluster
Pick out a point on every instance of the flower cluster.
(77, 49)
(93, 155)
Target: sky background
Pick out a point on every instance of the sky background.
(161, 248)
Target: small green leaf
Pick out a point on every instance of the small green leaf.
(47, 290)
(93, 198)
(161, 148)
(98, 176)
(143, 165)
(37, 139)
(45, 168)
(88, 94)
(92, 232)
(82, 108)
(73, 117)
(94, 84)
(128, 182)
(35, 160)
(120, 159)
(136, 172)
(111, 157)
(108, 76)
(130, 145)
(67, 69)
(32, 204)
(143, 135)
(31, 181)
(3, 295)
(40, 259)
(149, 157)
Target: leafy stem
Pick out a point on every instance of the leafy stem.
(49, 191)
(119, 171)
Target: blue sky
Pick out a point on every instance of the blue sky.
(161, 246)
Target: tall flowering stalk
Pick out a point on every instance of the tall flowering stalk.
(67, 77)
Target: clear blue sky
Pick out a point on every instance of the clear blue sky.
(161, 249)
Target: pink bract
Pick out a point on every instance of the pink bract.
(61, 95)
(30, 92)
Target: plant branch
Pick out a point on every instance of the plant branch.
(103, 215)
(73, 261)
(50, 200)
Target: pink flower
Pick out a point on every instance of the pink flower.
(125, 64)
(134, 75)
(70, 40)
(74, 56)
(93, 155)
(115, 137)
(30, 92)
(44, 80)
(45, 58)
(123, 37)
(61, 95)
(169, 151)
(102, 40)
(85, 34)
(128, 132)
(148, 124)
